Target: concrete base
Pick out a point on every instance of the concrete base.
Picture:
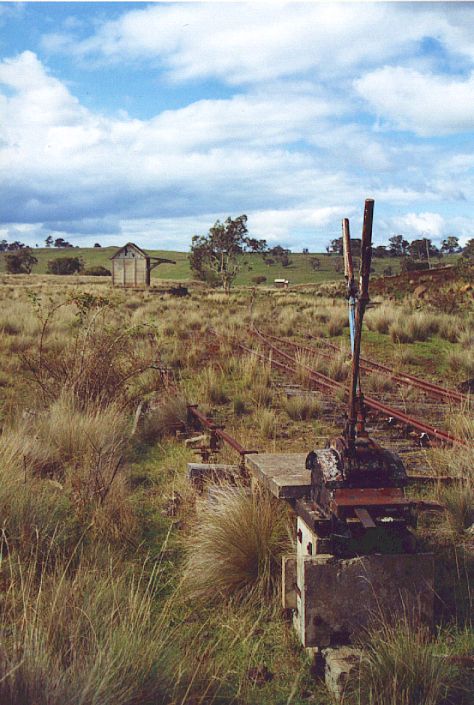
(338, 599)
(341, 666)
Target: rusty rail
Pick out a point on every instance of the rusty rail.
(430, 388)
(331, 385)
(219, 432)
(405, 378)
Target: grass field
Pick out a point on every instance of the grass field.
(120, 583)
(299, 271)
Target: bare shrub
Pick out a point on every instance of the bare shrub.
(100, 364)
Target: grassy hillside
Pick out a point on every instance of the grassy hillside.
(299, 271)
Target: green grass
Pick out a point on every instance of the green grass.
(298, 272)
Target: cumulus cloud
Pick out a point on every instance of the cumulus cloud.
(424, 103)
(284, 141)
(242, 43)
(426, 224)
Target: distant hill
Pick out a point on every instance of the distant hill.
(300, 271)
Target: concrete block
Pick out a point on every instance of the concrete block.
(288, 587)
(340, 598)
(341, 666)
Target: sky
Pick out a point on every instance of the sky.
(147, 122)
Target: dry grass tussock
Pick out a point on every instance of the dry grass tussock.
(72, 459)
(90, 636)
(458, 499)
(461, 361)
(234, 550)
(381, 318)
(401, 667)
(267, 422)
(338, 321)
(302, 408)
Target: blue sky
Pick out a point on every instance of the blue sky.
(148, 121)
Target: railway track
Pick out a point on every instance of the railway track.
(289, 365)
(430, 388)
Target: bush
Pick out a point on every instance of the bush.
(98, 271)
(65, 265)
(20, 262)
(409, 265)
(236, 549)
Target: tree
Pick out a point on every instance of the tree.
(61, 242)
(398, 246)
(335, 246)
(422, 248)
(15, 245)
(468, 249)
(380, 251)
(20, 262)
(49, 241)
(3, 245)
(305, 251)
(65, 265)
(450, 245)
(97, 244)
(219, 253)
(280, 254)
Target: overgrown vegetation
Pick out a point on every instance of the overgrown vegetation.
(118, 582)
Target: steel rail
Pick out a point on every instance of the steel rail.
(405, 378)
(219, 431)
(331, 385)
(368, 366)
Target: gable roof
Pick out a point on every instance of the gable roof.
(134, 247)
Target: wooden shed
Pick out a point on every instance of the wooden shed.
(131, 266)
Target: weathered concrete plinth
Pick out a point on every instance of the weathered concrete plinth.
(338, 599)
(341, 666)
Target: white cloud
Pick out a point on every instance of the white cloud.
(284, 153)
(424, 103)
(426, 224)
(241, 43)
